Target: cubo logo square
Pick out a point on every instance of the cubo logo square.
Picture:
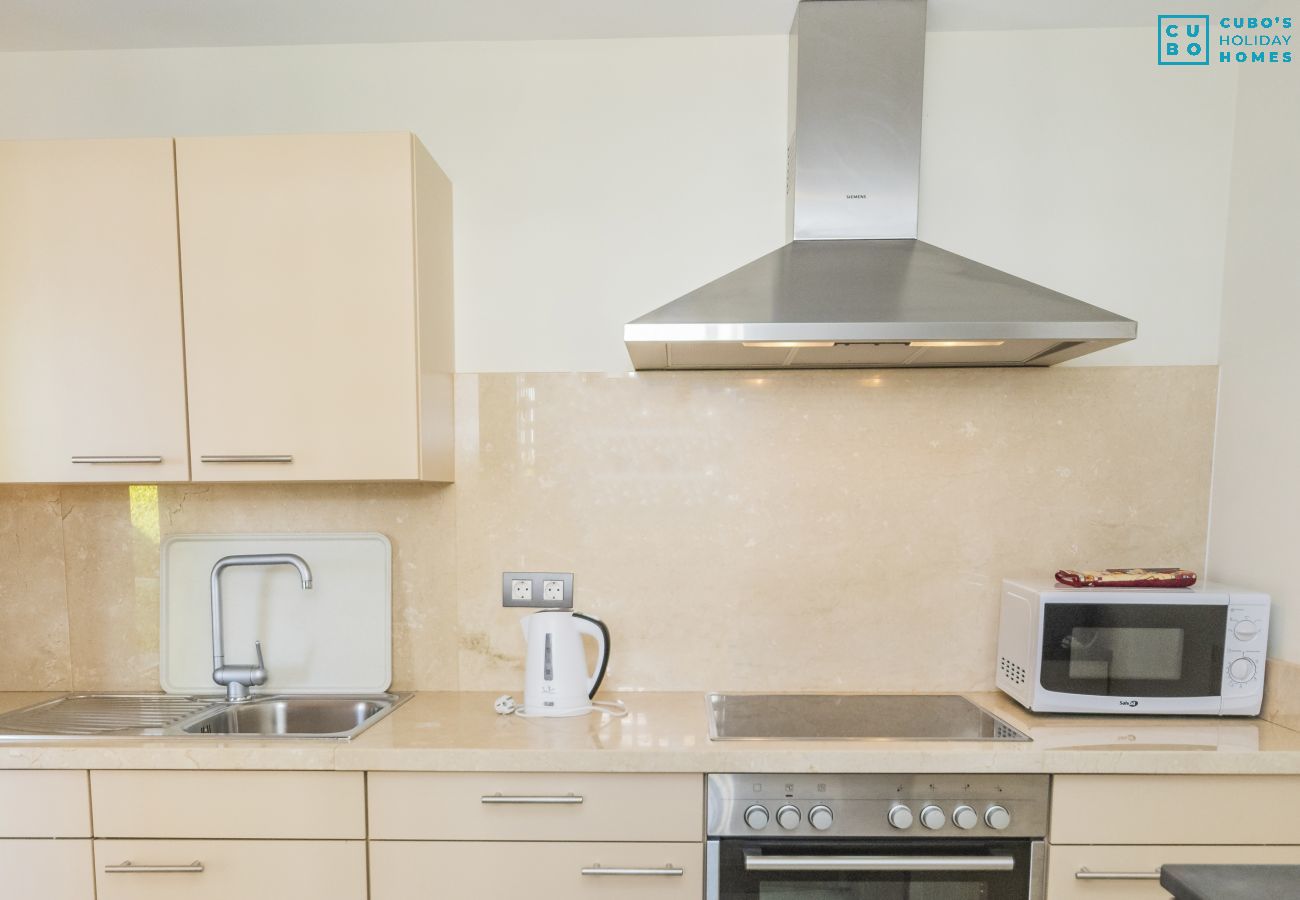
(1183, 40)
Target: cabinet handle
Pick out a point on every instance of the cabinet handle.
(1086, 874)
(249, 458)
(117, 460)
(566, 799)
(130, 868)
(669, 870)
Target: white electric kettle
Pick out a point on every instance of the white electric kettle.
(556, 680)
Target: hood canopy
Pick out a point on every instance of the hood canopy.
(855, 288)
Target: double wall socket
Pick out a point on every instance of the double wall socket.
(542, 590)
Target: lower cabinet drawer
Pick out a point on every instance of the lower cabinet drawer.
(49, 870)
(451, 870)
(220, 870)
(1065, 865)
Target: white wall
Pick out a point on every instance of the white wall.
(1255, 513)
(596, 180)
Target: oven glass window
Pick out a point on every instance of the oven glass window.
(1133, 650)
(914, 880)
(877, 890)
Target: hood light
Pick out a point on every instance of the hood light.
(787, 344)
(955, 343)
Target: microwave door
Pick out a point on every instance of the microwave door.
(1133, 649)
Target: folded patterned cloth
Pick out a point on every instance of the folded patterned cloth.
(1155, 578)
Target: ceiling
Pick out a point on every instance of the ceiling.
(111, 24)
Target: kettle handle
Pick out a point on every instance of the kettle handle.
(596, 629)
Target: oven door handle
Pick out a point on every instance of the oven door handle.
(758, 862)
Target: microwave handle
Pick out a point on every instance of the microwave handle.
(757, 862)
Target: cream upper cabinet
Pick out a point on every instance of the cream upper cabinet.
(92, 381)
(317, 297)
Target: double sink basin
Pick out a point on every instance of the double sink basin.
(104, 716)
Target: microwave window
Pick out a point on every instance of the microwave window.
(1154, 654)
(1133, 649)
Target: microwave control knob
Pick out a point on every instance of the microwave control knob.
(964, 817)
(1241, 669)
(820, 817)
(901, 817)
(788, 817)
(1245, 630)
(997, 817)
(756, 817)
(932, 817)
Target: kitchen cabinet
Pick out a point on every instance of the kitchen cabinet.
(433, 870)
(1111, 833)
(92, 380)
(228, 805)
(46, 869)
(318, 319)
(44, 836)
(186, 835)
(220, 870)
(1138, 865)
(1175, 809)
(559, 835)
(517, 806)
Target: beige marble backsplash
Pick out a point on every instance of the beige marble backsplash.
(841, 530)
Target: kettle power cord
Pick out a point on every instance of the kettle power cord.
(505, 706)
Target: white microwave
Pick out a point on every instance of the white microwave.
(1137, 651)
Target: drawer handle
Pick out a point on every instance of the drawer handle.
(565, 799)
(117, 460)
(669, 870)
(130, 868)
(249, 458)
(1086, 874)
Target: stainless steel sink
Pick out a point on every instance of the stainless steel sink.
(340, 717)
(111, 716)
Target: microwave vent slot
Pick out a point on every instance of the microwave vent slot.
(1013, 672)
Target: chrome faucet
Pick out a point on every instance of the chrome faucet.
(239, 679)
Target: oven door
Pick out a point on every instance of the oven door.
(1133, 649)
(835, 869)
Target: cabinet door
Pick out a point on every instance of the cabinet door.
(1129, 873)
(92, 380)
(220, 870)
(50, 870)
(451, 870)
(300, 313)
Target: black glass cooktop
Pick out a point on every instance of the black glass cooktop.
(853, 717)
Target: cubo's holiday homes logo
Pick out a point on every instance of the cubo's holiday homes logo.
(1186, 40)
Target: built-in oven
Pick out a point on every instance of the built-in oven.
(876, 837)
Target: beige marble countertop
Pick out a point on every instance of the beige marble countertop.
(667, 732)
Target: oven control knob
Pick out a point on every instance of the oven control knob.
(821, 817)
(788, 817)
(997, 817)
(1241, 669)
(932, 817)
(964, 817)
(756, 817)
(901, 816)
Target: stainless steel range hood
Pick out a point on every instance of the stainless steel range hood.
(855, 288)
